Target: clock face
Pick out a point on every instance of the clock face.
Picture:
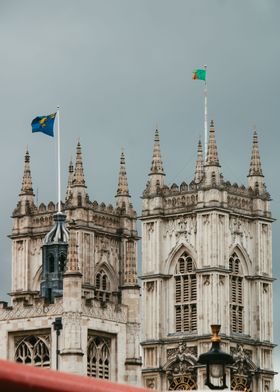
(182, 383)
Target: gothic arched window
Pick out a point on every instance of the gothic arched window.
(51, 263)
(98, 357)
(185, 295)
(62, 262)
(102, 285)
(236, 294)
(33, 350)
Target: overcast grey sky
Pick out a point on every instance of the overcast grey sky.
(119, 68)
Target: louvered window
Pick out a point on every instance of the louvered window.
(185, 295)
(102, 285)
(236, 294)
(98, 357)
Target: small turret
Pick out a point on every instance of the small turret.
(54, 252)
(212, 165)
(156, 173)
(122, 196)
(255, 176)
(199, 169)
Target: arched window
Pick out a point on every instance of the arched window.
(51, 263)
(185, 295)
(33, 350)
(98, 357)
(102, 285)
(236, 294)
(62, 260)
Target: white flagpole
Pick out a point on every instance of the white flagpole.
(58, 162)
(205, 117)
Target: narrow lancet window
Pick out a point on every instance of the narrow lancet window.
(185, 295)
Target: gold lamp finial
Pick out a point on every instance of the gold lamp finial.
(215, 333)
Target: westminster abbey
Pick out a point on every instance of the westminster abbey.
(78, 305)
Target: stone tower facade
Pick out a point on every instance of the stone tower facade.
(206, 259)
(74, 283)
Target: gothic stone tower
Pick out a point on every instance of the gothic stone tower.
(206, 259)
(78, 274)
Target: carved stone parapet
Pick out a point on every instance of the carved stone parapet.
(112, 312)
(20, 311)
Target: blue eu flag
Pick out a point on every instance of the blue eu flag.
(44, 124)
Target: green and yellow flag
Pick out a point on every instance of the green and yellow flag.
(199, 74)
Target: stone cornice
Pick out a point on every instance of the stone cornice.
(197, 210)
(236, 338)
(155, 276)
(261, 278)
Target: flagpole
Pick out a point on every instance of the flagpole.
(58, 161)
(205, 116)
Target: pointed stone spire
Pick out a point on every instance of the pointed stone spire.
(122, 196)
(255, 176)
(78, 176)
(79, 196)
(156, 173)
(70, 179)
(26, 188)
(199, 169)
(72, 265)
(212, 168)
(122, 184)
(157, 167)
(212, 153)
(255, 164)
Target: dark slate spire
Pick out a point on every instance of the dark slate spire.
(54, 253)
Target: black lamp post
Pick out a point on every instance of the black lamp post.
(215, 360)
(57, 326)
